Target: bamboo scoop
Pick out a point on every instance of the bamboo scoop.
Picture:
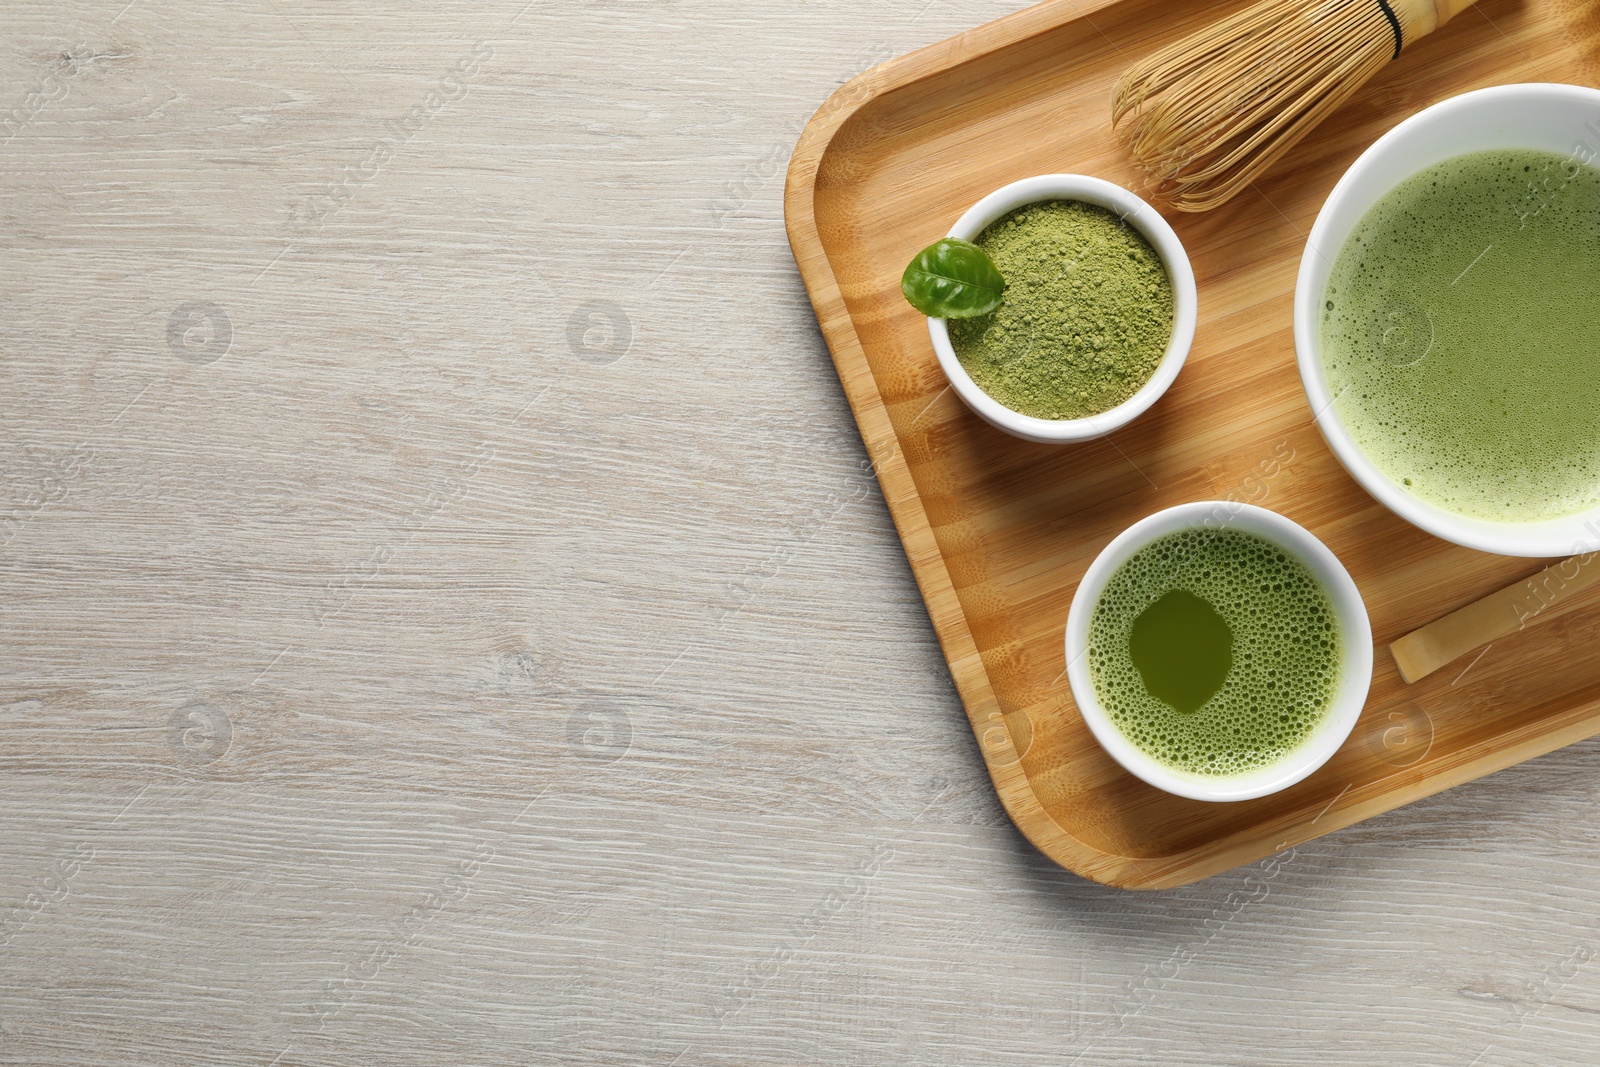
(1211, 112)
(1551, 592)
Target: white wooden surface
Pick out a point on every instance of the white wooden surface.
(446, 618)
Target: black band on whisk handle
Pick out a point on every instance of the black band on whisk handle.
(1394, 24)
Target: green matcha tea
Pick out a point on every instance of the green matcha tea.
(1087, 314)
(1461, 335)
(1214, 651)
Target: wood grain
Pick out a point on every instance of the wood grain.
(293, 651)
(999, 531)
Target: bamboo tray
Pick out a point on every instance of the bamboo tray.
(999, 531)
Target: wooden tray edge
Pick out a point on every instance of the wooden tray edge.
(877, 432)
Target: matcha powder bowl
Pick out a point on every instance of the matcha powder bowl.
(1100, 315)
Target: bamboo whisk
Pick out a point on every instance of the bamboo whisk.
(1211, 112)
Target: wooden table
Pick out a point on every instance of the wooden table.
(447, 617)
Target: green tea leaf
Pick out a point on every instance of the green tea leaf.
(953, 279)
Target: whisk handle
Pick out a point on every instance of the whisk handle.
(1449, 9)
(1422, 17)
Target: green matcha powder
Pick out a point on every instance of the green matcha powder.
(1086, 317)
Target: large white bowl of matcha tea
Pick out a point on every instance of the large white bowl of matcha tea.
(1219, 651)
(1447, 319)
(1097, 317)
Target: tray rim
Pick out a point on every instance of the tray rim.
(995, 741)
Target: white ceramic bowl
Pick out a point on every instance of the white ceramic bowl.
(1354, 628)
(1142, 217)
(1554, 118)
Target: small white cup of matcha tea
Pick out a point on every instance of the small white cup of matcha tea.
(1218, 651)
(1447, 319)
(1124, 348)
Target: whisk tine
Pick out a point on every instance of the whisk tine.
(1208, 114)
